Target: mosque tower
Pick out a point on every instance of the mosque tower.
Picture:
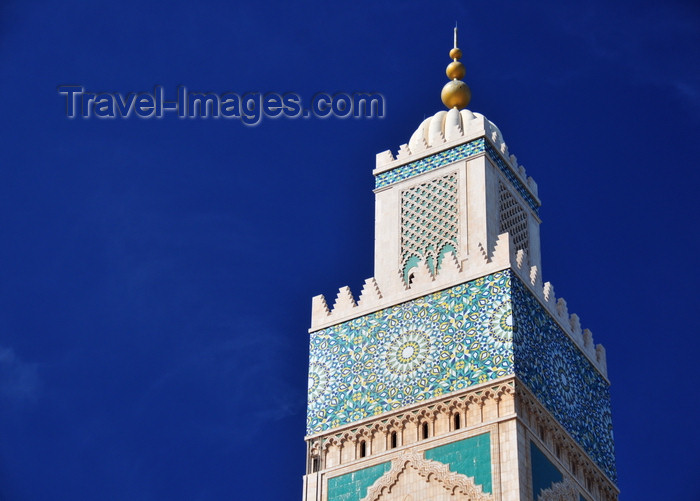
(455, 374)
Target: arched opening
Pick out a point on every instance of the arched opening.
(314, 465)
(409, 269)
(393, 440)
(425, 430)
(446, 249)
(457, 421)
(363, 449)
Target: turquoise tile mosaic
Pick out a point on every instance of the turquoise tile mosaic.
(429, 163)
(353, 486)
(470, 457)
(562, 378)
(417, 350)
(452, 155)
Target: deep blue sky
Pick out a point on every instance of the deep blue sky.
(156, 275)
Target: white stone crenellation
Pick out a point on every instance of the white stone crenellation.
(445, 130)
(375, 296)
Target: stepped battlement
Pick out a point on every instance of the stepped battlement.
(375, 296)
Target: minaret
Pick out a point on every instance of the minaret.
(456, 373)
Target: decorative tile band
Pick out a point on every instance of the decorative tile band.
(562, 378)
(453, 155)
(411, 352)
(429, 163)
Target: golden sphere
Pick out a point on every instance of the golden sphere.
(455, 53)
(456, 94)
(455, 70)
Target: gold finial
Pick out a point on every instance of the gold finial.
(456, 94)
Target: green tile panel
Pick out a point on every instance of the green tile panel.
(353, 486)
(544, 473)
(470, 457)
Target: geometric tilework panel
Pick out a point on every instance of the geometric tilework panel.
(424, 348)
(562, 378)
(544, 473)
(353, 486)
(470, 457)
(429, 163)
(446, 157)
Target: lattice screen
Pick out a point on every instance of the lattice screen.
(512, 218)
(429, 222)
